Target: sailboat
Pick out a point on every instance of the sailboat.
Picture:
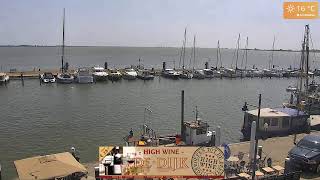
(184, 74)
(64, 77)
(217, 71)
(272, 71)
(230, 72)
(307, 96)
(197, 73)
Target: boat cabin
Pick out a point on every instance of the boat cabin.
(275, 121)
(197, 132)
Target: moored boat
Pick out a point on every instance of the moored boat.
(99, 74)
(199, 74)
(83, 76)
(145, 75)
(129, 74)
(65, 78)
(4, 78)
(275, 122)
(170, 73)
(114, 75)
(208, 73)
(47, 77)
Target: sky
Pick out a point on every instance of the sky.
(152, 23)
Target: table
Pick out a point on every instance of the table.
(245, 175)
(268, 170)
(259, 173)
(278, 168)
(233, 159)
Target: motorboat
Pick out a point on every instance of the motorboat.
(83, 76)
(145, 75)
(170, 73)
(99, 74)
(184, 74)
(4, 78)
(47, 77)
(114, 75)
(291, 89)
(208, 73)
(129, 74)
(65, 78)
(199, 74)
(229, 72)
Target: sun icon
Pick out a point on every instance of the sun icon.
(290, 8)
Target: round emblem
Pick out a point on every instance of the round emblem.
(208, 161)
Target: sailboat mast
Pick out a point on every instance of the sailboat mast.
(217, 55)
(246, 52)
(62, 56)
(307, 56)
(271, 62)
(194, 51)
(238, 45)
(184, 47)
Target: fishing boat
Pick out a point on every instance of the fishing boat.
(84, 75)
(47, 77)
(307, 97)
(275, 122)
(64, 77)
(99, 74)
(129, 74)
(145, 75)
(4, 78)
(114, 75)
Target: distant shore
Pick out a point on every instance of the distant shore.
(250, 49)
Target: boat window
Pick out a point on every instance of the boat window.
(274, 122)
(267, 121)
(285, 123)
(201, 131)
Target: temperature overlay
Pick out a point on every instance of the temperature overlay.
(300, 10)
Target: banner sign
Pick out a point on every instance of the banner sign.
(158, 162)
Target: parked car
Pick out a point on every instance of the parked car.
(306, 153)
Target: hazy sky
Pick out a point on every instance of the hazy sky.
(151, 23)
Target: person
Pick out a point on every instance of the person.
(131, 133)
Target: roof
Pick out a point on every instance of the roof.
(48, 166)
(312, 138)
(277, 112)
(196, 124)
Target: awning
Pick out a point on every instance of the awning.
(48, 167)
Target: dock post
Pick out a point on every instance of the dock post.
(105, 65)
(0, 172)
(182, 116)
(218, 136)
(22, 80)
(163, 66)
(40, 79)
(206, 65)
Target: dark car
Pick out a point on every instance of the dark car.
(306, 154)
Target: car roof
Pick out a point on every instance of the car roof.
(312, 137)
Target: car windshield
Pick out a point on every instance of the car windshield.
(309, 144)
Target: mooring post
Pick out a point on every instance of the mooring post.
(0, 172)
(40, 79)
(218, 136)
(182, 116)
(22, 81)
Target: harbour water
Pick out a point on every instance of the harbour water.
(51, 118)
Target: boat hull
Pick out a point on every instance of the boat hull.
(65, 80)
(129, 77)
(84, 79)
(114, 77)
(100, 78)
(146, 77)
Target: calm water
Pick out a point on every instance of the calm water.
(53, 117)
